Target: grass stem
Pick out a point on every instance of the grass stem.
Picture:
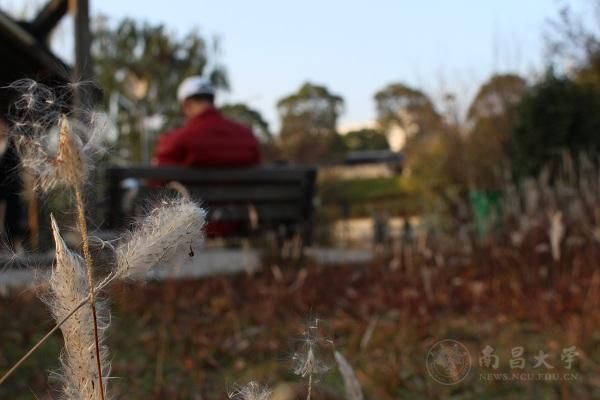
(90, 276)
(41, 341)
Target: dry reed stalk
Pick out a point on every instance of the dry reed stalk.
(556, 233)
(351, 383)
(42, 341)
(168, 233)
(166, 244)
(89, 267)
(73, 171)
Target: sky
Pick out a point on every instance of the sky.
(356, 47)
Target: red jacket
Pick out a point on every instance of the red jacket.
(208, 140)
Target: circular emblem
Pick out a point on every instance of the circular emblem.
(448, 362)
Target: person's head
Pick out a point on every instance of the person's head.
(195, 94)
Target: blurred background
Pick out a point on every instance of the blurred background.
(457, 189)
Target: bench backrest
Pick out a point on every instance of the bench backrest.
(279, 195)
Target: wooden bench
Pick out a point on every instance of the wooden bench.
(268, 198)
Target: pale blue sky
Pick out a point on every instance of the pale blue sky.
(356, 46)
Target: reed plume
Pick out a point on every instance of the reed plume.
(68, 287)
(58, 151)
(39, 120)
(56, 148)
(168, 235)
(308, 360)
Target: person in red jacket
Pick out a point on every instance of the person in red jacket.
(207, 139)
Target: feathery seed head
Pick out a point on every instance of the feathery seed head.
(56, 146)
(70, 159)
(251, 391)
(167, 236)
(311, 358)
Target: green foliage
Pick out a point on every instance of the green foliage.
(308, 124)
(437, 173)
(491, 117)
(361, 190)
(556, 115)
(409, 108)
(561, 113)
(140, 65)
(589, 74)
(365, 139)
(574, 45)
(497, 97)
(486, 152)
(396, 194)
(250, 117)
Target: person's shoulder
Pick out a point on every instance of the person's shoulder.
(171, 135)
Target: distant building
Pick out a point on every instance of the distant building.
(396, 137)
(364, 165)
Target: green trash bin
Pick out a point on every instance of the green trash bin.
(487, 210)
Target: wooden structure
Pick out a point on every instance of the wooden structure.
(24, 47)
(270, 198)
(25, 53)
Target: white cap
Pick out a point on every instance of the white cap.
(194, 85)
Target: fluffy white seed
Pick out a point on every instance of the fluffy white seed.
(56, 149)
(169, 235)
(251, 391)
(309, 360)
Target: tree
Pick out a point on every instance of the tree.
(560, 113)
(308, 124)
(491, 117)
(555, 115)
(497, 97)
(574, 45)
(435, 168)
(407, 110)
(365, 139)
(139, 66)
(247, 116)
